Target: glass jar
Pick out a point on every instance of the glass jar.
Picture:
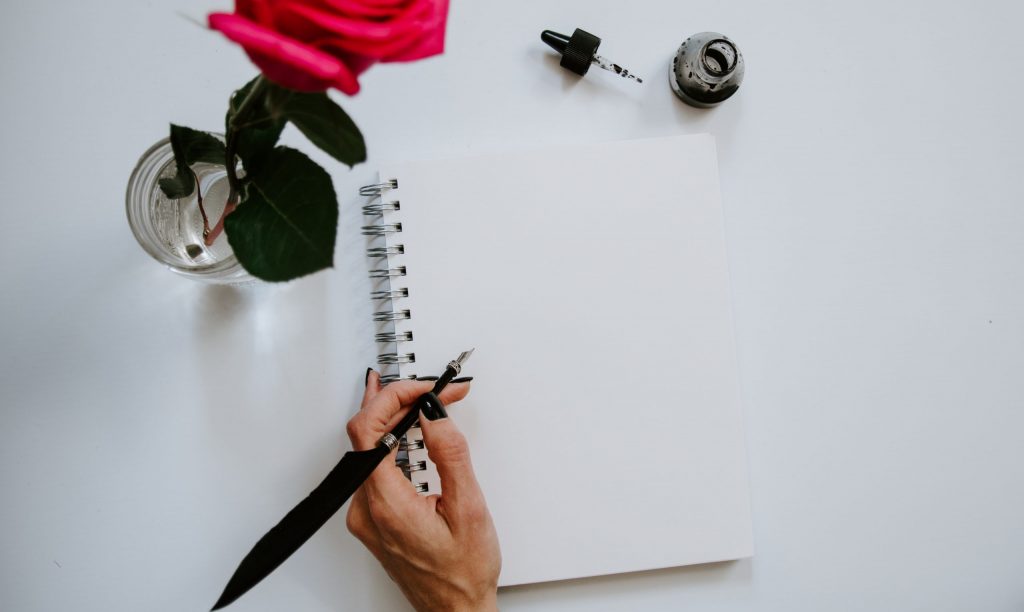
(171, 229)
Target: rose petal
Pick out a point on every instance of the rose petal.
(428, 46)
(377, 31)
(286, 61)
(355, 62)
(358, 64)
(360, 8)
(432, 43)
(292, 20)
(260, 11)
(375, 39)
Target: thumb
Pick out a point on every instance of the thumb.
(448, 449)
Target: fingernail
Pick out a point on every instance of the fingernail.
(427, 378)
(366, 380)
(431, 407)
(464, 379)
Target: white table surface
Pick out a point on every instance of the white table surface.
(152, 427)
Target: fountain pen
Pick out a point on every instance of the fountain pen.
(330, 495)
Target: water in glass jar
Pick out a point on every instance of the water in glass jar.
(179, 222)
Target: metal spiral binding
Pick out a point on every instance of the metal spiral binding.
(393, 337)
(382, 207)
(387, 271)
(398, 249)
(408, 445)
(390, 295)
(382, 230)
(379, 188)
(389, 315)
(412, 466)
(396, 358)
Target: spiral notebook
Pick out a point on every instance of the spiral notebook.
(604, 418)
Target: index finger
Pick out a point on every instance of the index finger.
(380, 412)
(387, 490)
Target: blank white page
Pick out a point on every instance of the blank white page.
(604, 418)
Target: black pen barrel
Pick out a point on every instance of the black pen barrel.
(449, 374)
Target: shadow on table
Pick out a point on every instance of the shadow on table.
(219, 305)
(259, 355)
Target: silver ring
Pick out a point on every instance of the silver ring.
(421, 487)
(392, 316)
(408, 445)
(388, 272)
(389, 440)
(392, 337)
(390, 295)
(381, 207)
(378, 188)
(394, 358)
(412, 466)
(382, 230)
(398, 249)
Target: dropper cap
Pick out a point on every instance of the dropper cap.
(577, 50)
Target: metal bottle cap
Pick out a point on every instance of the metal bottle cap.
(707, 69)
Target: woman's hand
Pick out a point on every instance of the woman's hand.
(441, 550)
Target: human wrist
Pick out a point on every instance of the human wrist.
(487, 603)
(490, 604)
(484, 602)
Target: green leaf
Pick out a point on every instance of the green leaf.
(261, 128)
(286, 226)
(326, 125)
(190, 147)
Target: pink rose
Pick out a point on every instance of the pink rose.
(313, 45)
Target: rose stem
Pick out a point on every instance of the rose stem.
(229, 155)
(202, 209)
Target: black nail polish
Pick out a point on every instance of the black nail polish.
(427, 378)
(464, 379)
(366, 380)
(431, 407)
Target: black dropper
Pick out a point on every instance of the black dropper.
(579, 51)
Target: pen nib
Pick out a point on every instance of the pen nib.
(464, 356)
(455, 366)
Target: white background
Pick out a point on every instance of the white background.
(152, 428)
